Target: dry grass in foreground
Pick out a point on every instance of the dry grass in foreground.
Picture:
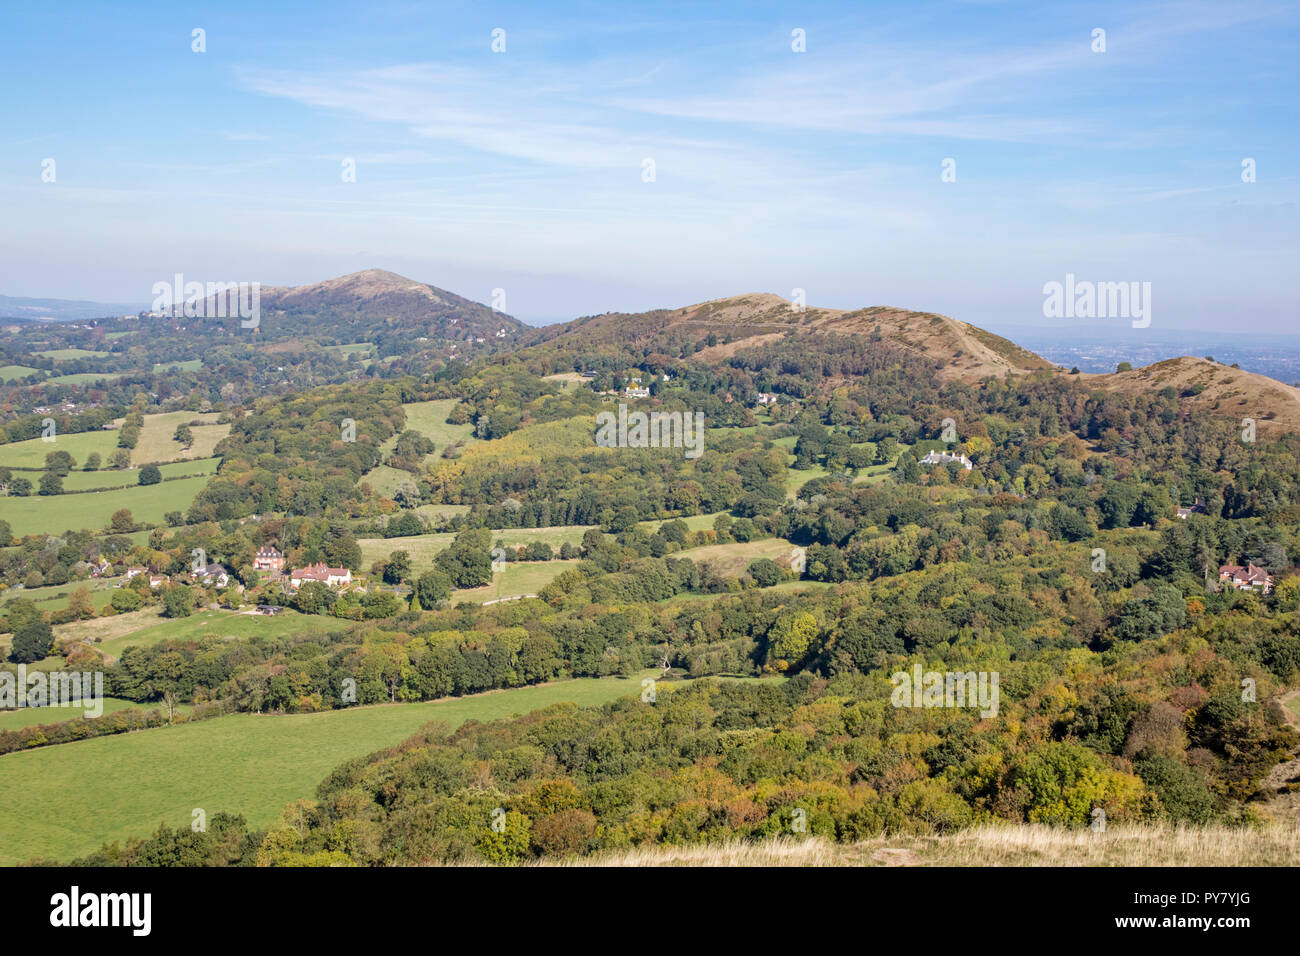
(1025, 845)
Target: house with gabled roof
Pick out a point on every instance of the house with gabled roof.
(330, 577)
(268, 558)
(1249, 578)
(943, 457)
(212, 575)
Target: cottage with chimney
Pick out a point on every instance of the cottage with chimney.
(1249, 578)
(330, 577)
(268, 559)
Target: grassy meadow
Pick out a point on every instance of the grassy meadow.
(189, 365)
(156, 444)
(733, 558)
(430, 420)
(12, 373)
(84, 378)
(518, 578)
(423, 547)
(224, 624)
(62, 801)
(65, 354)
(111, 478)
(54, 597)
(32, 716)
(55, 514)
(31, 453)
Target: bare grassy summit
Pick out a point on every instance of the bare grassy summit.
(1217, 389)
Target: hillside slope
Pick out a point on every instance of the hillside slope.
(1216, 389)
(363, 305)
(963, 351)
(960, 351)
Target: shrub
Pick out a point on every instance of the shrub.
(124, 599)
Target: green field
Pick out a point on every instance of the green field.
(693, 522)
(189, 365)
(796, 479)
(518, 578)
(84, 378)
(30, 716)
(58, 513)
(156, 445)
(55, 596)
(62, 801)
(431, 512)
(385, 481)
(31, 453)
(567, 379)
(430, 420)
(360, 349)
(423, 547)
(112, 478)
(222, 624)
(11, 373)
(732, 559)
(63, 354)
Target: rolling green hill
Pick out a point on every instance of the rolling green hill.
(66, 800)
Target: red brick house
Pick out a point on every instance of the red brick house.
(1249, 578)
(268, 559)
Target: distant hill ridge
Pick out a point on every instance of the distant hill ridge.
(409, 316)
(962, 351)
(353, 303)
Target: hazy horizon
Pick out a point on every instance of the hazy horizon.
(1061, 330)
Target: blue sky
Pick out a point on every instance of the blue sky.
(774, 170)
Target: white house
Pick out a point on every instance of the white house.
(212, 575)
(330, 577)
(942, 458)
